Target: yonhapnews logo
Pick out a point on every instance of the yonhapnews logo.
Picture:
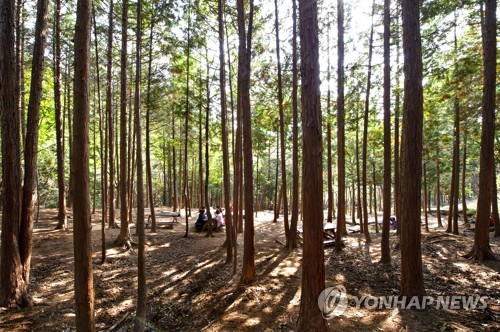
(334, 301)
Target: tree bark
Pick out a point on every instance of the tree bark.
(397, 107)
(225, 138)
(186, 122)
(282, 128)
(411, 154)
(292, 244)
(464, 163)
(329, 134)
(385, 244)
(340, 126)
(109, 118)
(31, 147)
(124, 236)
(148, 150)
(141, 252)
(82, 227)
(494, 204)
(481, 249)
(426, 202)
(438, 193)
(365, 132)
(313, 265)
(245, 39)
(12, 285)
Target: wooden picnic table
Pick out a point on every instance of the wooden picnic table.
(164, 214)
(328, 234)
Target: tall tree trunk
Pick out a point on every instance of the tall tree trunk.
(148, 150)
(141, 254)
(292, 244)
(201, 199)
(426, 202)
(82, 227)
(438, 193)
(103, 157)
(186, 122)
(411, 154)
(20, 64)
(245, 39)
(13, 289)
(109, 118)
(358, 178)
(207, 135)
(124, 236)
(225, 139)
(365, 131)
(340, 126)
(385, 245)
(481, 249)
(375, 197)
(313, 264)
(464, 163)
(174, 169)
(329, 132)
(397, 107)
(276, 183)
(282, 128)
(31, 146)
(62, 215)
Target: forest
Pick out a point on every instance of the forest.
(285, 165)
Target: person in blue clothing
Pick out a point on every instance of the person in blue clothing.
(202, 219)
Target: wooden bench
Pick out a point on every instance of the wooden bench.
(161, 215)
(328, 235)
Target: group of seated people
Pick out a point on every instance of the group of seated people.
(218, 218)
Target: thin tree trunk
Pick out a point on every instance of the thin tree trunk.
(426, 202)
(276, 185)
(141, 254)
(124, 236)
(148, 143)
(207, 161)
(340, 126)
(365, 132)
(62, 216)
(282, 128)
(225, 139)
(358, 179)
(386, 195)
(295, 131)
(438, 193)
(397, 107)
(494, 204)
(109, 118)
(375, 198)
(245, 39)
(464, 164)
(329, 133)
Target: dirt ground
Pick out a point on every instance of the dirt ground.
(191, 289)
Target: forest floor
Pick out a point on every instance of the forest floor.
(191, 289)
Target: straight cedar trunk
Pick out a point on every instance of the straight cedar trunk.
(102, 155)
(340, 126)
(385, 244)
(456, 161)
(375, 198)
(20, 64)
(292, 244)
(124, 236)
(245, 40)
(186, 123)
(426, 200)
(62, 222)
(201, 198)
(225, 138)
(13, 289)
(365, 133)
(207, 160)
(411, 154)
(358, 178)
(31, 143)
(329, 135)
(276, 185)
(140, 316)
(174, 169)
(82, 227)
(464, 163)
(397, 107)
(438, 193)
(109, 118)
(481, 249)
(313, 264)
(148, 150)
(284, 192)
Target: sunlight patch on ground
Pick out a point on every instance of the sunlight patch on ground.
(254, 321)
